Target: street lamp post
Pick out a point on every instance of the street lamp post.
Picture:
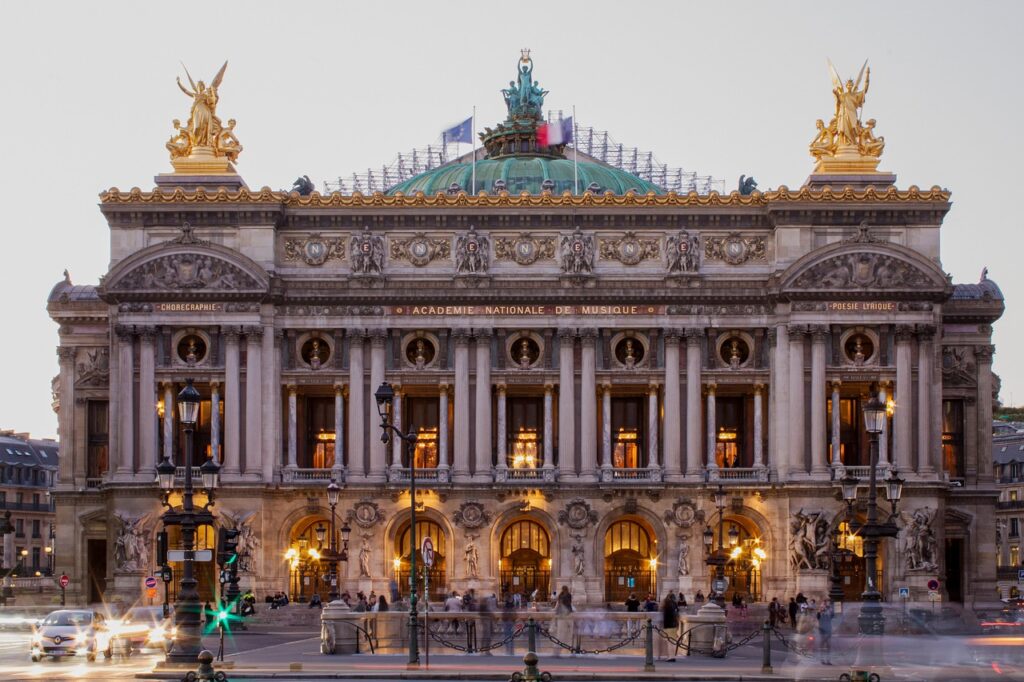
(718, 558)
(187, 612)
(331, 555)
(871, 621)
(385, 396)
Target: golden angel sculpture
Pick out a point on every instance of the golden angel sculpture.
(845, 144)
(204, 144)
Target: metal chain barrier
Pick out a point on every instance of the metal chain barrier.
(579, 650)
(678, 641)
(792, 646)
(438, 637)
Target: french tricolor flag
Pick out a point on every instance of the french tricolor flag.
(555, 132)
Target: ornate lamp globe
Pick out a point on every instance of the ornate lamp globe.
(321, 533)
(210, 472)
(384, 396)
(734, 536)
(719, 496)
(165, 474)
(894, 486)
(345, 532)
(874, 414)
(188, 404)
(333, 492)
(709, 537)
(849, 484)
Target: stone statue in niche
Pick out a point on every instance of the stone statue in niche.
(579, 566)
(472, 557)
(684, 554)
(920, 543)
(131, 548)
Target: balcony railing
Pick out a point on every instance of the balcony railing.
(94, 482)
(631, 475)
(525, 475)
(28, 506)
(753, 474)
(1010, 504)
(861, 472)
(197, 475)
(311, 475)
(401, 475)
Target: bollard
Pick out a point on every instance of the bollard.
(766, 655)
(649, 648)
(531, 673)
(205, 670)
(531, 635)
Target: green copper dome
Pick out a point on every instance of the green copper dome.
(524, 174)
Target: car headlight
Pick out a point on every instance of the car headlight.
(157, 634)
(82, 651)
(37, 641)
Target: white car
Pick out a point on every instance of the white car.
(71, 633)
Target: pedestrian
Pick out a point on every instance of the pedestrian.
(453, 604)
(825, 632)
(508, 622)
(650, 605)
(382, 604)
(669, 626)
(683, 606)
(315, 602)
(563, 617)
(632, 603)
(393, 586)
(698, 599)
(486, 611)
(773, 612)
(794, 608)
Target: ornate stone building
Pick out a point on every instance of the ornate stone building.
(582, 355)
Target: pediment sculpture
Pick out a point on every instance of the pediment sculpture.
(95, 371)
(863, 270)
(809, 541)
(179, 271)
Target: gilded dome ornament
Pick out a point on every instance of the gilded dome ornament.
(845, 144)
(204, 145)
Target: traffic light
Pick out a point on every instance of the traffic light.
(227, 546)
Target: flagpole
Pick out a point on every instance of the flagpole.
(575, 165)
(473, 191)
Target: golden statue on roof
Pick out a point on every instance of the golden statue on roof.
(845, 144)
(203, 145)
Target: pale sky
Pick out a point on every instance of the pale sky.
(326, 89)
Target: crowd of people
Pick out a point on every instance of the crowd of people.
(806, 617)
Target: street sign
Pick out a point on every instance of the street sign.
(166, 574)
(150, 582)
(428, 551)
(64, 581)
(719, 584)
(151, 592)
(197, 555)
(934, 596)
(904, 593)
(933, 584)
(1020, 575)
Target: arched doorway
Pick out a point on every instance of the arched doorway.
(746, 557)
(206, 538)
(306, 573)
(851, 561)
(525, 563)
(630, 560)
(437, 583)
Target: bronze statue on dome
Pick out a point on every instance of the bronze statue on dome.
(524, 96)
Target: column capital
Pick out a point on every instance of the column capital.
(460, 336)
(147, 333)
(885, 385)
(835, 384)
(253, 333)
(378, 337)
(710, 387)
(605, 387)
(818, 333)
(167, 385)
(214, 384)
(549, 387)
(356, 335)
(339, 389)
(566, 333)
(773, 337)
(230, 334)
(292, 390)
(66, 353)
(925, 332)
(984, 353)
(694, 336)
(797, 332)
(500, 387)
(484, 333)
(588, 336)
(672, 335)
(759, 389)
(904, 333)
(124, 332)
(653, 386)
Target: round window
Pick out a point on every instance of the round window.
(315, 352)
(525, 352)
(629, 352)
(734, 351)
(192, 349)
(859, 348)
(420, 352)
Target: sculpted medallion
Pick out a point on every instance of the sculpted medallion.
(629, 249)
(471, 515)
(684, 513)
(524, 249)
(314, 249)
(577, 514)
(365, 513)
(420, 249)
(735, 249)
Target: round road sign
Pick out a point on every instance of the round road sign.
(427, 549)
(64, 581)
(150, 582)
(933, 584)
(719, 584)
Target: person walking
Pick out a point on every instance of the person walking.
(794, 609)
(698, 599)
(670, 627)
(563, 618)
(632, 603)
(508, 622)
(773, 612)
(825, 632)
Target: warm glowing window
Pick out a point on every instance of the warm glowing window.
(423, 417)
(849, 540)
(627, 433)
(953, 438)
(524, 436)
(729, 445)
(319, 433)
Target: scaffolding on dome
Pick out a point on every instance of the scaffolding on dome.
(598, 144)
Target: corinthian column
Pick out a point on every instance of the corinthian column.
(904, 401)
(837, 440)
(588, 407)
(378, 450)
(712, 428)
(606, 426)
(232, 402)
(483, 406)
(758, 426)
(818, 410)
(147, 401)
(169, 408)
(566, 402)
(66, 416)
(396, 419)
(983, 355)
(270, 390)
(126, 400)
(780, 403)
(356, 404)
(253, 402)
(293, 427)
(461, 468)
(925, 358)
(442, 427)
(797, 403)
(884, 390)
(672, 412)
(215, 452)
(502, 429)
(652, 425)
(549, 427)
(693, 409)
(339, 431)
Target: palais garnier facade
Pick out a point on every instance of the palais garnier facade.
(584, 356)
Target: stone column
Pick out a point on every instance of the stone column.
(758, 426)
(904, 401)
(270, 389)
(378, 450)
(588, 406)
(232, 403)
(293, 426)
(215, 421)
(780, 420)
(147, 401)
(983, 356)
(549, 427)
(883, 442)
(837, 443)
(396, 420)
(483, 459)
(356, 404)
(169, 408)
(253, 401)
(606, 426)
(926, 456)
(502, 429)
(442, 427)
(797, 403)
(694, 468)
(652, 425)
(672, 414)
(126, 400)
(66, 416)
(712, 426)
(566, 402)
(339, 431)
(461, 468)
(819, 437)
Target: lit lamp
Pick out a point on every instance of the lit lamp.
(734, 536)
(321, 533)
(188, 404)
(210, 473)
(894, 488)
(709, 538)
(849, 484)
(165, 474)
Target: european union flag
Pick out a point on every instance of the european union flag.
(462, 132)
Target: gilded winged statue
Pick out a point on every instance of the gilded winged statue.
(204, 129)
(845, 136)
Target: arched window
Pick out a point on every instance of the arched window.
(525, 564)
(630, 560)
(307, 573)
(436, 576)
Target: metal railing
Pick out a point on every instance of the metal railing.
(538, 476)
(28, 506)
(94, 482)
(179, 474)
(434, 475)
